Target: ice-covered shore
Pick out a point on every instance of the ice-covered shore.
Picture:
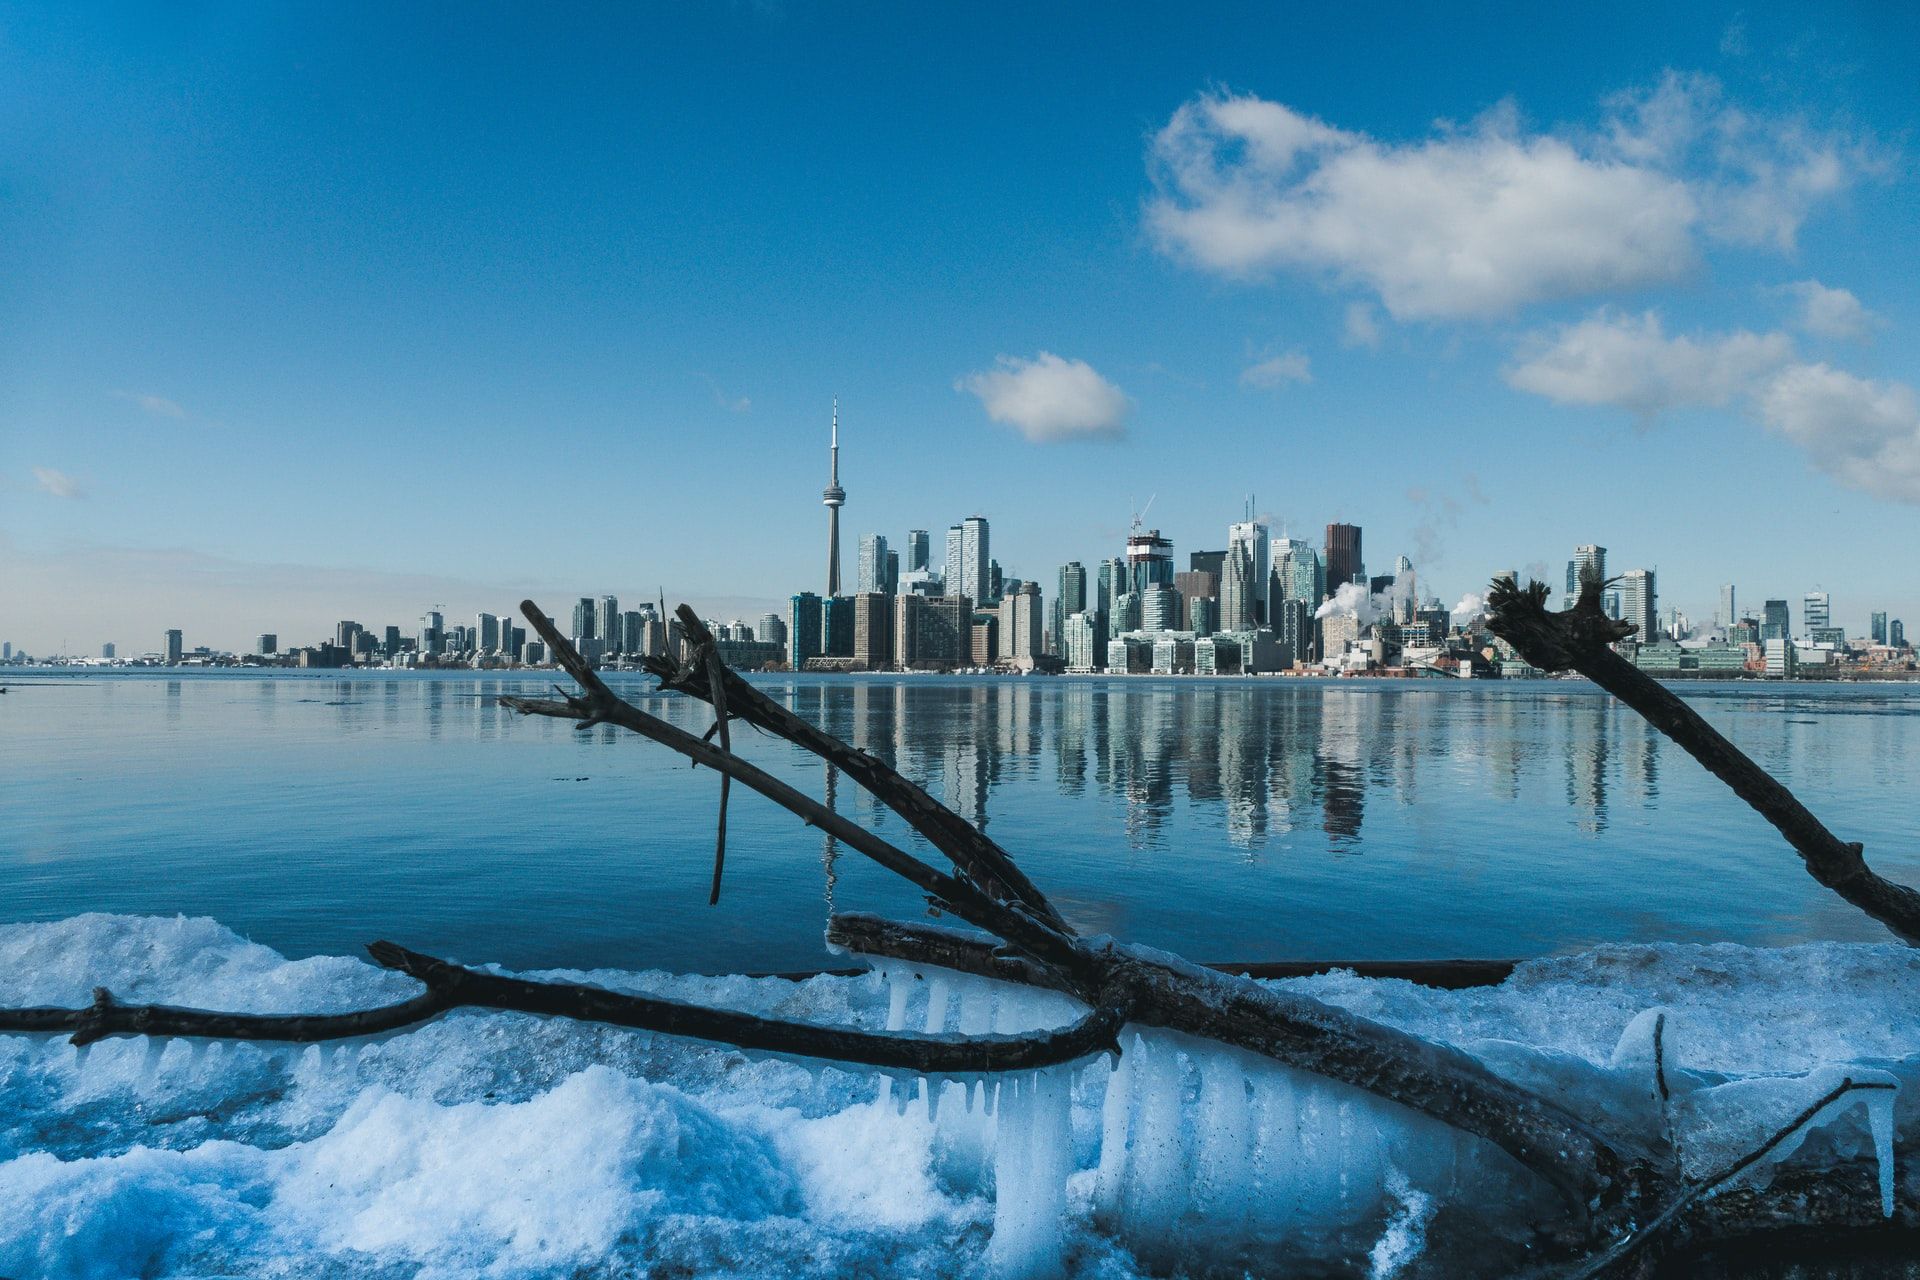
(504, 1145)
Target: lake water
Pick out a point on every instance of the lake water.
(1228, 820)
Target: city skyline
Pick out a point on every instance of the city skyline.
(355, 375)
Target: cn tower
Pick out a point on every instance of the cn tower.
(833, 496)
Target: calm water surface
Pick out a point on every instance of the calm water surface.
(1227, 820)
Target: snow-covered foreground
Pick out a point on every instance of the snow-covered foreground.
(505, 1145)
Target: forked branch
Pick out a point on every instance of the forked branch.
(1581, 639)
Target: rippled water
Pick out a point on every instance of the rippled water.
(1228, 820)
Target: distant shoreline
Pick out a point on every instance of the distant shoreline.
(37, 674)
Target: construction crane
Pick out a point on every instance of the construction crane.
(1140, 515)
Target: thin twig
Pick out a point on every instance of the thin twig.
(1665, 1219)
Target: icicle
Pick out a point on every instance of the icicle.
(902, 1097)
(156, 1049)
(1116, 1108)
(80, 1055)
(1223, 1160)
(991, 1098)
(973, 1095)
(1879, 1104)
(937, 991)
(1316, 1174)
(884, 1097)
(934, 1089)
(976, 1009)
(1157, 1163)
(1029, 1199)
(899, 987)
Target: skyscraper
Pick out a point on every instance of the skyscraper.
(1149, 560)
(1250, 536)
(1236, 587)
(1817, 608)
(1638, 603)
(833, 497)
(1897, 634)
(1589, 561)
(1344, 559)
(918, 550)
(1020, 634)
(1297, 572)
(1774, 624)
(1727, 616)
(175, 647)
(486, 629)
(1879, 628)
(872, 646)
(583, 618)
(606, 625)
(872, 572)
(969, 559)
(1070, 599)
(836, 627)
(803, 633)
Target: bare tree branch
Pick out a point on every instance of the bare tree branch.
(971, 851)
(451, 986)
(1581, 639)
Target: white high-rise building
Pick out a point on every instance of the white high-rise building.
(1253, 537)
(1817, 608)
(606, 627)
(968, 559)
(871, 574)
(1726, 616)
(1638, 603)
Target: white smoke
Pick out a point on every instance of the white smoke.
(1472, 605)
(1351, 599)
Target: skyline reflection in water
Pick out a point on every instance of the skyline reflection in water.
(1229, 820)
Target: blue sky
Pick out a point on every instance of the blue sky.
(346, 311)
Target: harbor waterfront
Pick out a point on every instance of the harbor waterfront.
(1225, 819)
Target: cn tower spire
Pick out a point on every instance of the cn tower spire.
(833, 497)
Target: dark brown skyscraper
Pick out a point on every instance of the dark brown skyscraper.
(1343, 555)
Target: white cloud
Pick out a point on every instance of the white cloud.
(1278, 371)
(157, 405)
(1756, 177)
(1629, 362)
(1048, 398)
(1830, 313)
(1362, 326)
(1479, 221)
(57, 483)
(1864, 433)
